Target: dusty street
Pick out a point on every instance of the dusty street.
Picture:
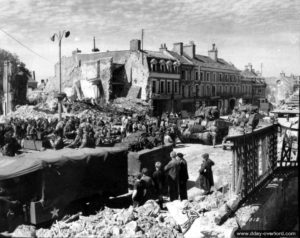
(222, 159)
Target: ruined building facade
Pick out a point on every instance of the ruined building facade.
(172, 80)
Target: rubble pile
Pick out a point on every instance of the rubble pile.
(131, 105)
(203, 203)
(29, 111)
(47, 107)
(145, 221)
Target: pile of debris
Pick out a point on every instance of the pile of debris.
(48, 108)
(29, 111)
(145, 221)
(203, 214)
(131, 105)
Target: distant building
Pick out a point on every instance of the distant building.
(32, 83)
(253, 86)
(282, 87)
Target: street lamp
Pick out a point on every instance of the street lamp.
(60, 35)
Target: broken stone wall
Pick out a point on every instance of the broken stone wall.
(96, 78)
(79, 78)
(138, 73)
(69, 74)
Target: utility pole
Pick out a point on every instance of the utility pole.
(60, 35)
(261, 67)
(142, 45)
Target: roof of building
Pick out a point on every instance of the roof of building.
(254, 76)
(159, 55)
(206, 61)
(182, 59)
(271, 80)
(118, 57)
(249, 73)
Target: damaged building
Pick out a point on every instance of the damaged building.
(133, 73)
(171, 80)
(97, 75)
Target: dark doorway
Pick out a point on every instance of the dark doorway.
(232, 104)
(157, 107)
(117, 91)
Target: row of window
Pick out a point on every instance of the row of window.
(202, 90)
(165, 86)
(209, 76)
(164, 66)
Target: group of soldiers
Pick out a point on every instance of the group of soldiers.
(80, 132)
(245, 117)
(173, 176)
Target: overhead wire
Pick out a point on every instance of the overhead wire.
(25, 46)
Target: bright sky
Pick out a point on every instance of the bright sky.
(256, 31)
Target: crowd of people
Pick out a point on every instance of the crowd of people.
(245, 117)
(173, 176)
(88, 131)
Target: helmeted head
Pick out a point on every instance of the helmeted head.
(205, 156)
(145, 171)
(180, 155)
(158, 165)
(173, 154)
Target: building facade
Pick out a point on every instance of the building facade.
(253, 86)
(171, 80)
(207, 80)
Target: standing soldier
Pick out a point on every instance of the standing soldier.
(206, 174)
(159, 180)
(172, 172)
(139, 191)
(183, 177)
(149, 184)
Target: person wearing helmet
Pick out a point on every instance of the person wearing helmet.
(172, 173)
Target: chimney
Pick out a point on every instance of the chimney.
(213, 53)
(33, 75)
(178, 48)
(190, 49)
(163, 47)
(250, 67)
(95, 49)
(135, 45)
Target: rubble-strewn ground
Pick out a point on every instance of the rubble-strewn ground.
(149, 220)
(144, 221)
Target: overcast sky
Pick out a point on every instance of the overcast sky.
(265, 31)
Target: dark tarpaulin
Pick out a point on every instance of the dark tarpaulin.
(64, 176)
(146, 159)
(96, 173)
(11, 167)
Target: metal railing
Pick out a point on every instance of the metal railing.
(289, 155)
(255, 157)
